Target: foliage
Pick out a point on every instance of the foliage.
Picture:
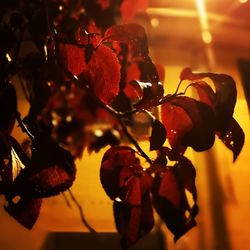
(86, 79)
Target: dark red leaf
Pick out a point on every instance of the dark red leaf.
(133, 222)
(169, 188)
(205, 93)
(171, 115)
(197, 126)
(225, 96)
(152, 87)
(186, 173)
(51, 171)
(170, 200)
(132, 34)
(25, 211)
(143, 83)
(234, 138)
(129, 8)
(101, 71)
(158, 135)
(122, 176)
(8, 108)
(174, 218)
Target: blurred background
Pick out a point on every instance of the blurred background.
(206, 35)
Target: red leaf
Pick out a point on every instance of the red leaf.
(171, 115)
(186, 173)
(101, 70)
(205, 93)
(225, 96)
(143, 83)
(174, 218)
(129, 8)
(51, 171)
(133, 222)
(234, 138)
(132, 34)
(25, 211)
(169, 189)
(170, 200)
(158, 135)
(185, 74)
(132, 89)
(196, 129)
(123, 177)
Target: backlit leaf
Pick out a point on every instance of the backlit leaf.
(25, 211)
(122, 176)
(132, 34)
(158, 135)
(234, 138)
(101, 71)
(197, 126)
(129, 8)
(133, 222)
(225, 95)
(170, 200)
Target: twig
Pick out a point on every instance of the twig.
(66, 200)
(84, 221)
(134, 142)
(176, 91)
(23, 127)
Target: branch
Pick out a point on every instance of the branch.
(84, 221)
(23, 127)
(66, 200)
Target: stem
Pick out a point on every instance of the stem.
(134, 142)
(23, 127)
(84, 221)
(179, 84)
(66, 200)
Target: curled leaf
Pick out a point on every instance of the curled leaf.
(205, 93)
(25, 211)
(225, 95)
(133, 222)
(234, 138)
(197, 126)
(122, 176)
(158, 135)
(170, 200)
(129, 8)
(101, 70)
(51, 170)
(132, 34)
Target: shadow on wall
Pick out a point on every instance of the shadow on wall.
(104, 241)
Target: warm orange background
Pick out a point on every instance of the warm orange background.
(223, 187)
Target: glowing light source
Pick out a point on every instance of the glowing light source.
(207, 37)
(154, 22)
(243, 1)
(8, 57)
(206, 34)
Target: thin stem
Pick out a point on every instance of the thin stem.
(66, 200)
(134, 142)
(177, 89)
(23, 127)
(84, 221)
